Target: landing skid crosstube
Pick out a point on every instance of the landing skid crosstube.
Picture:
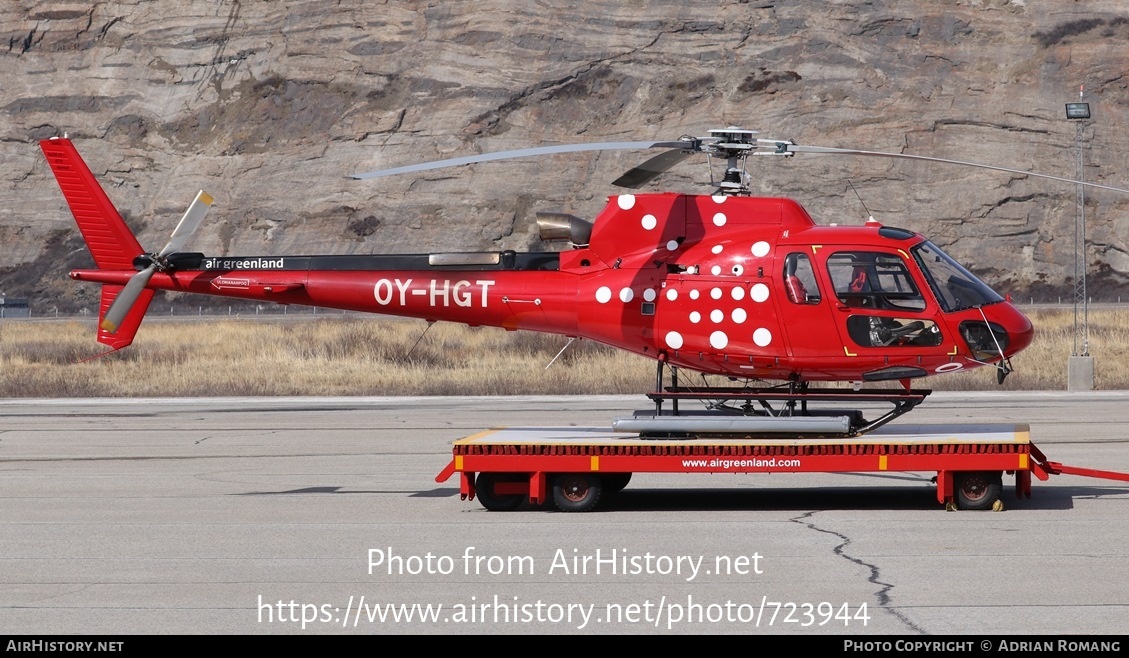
(790, 409)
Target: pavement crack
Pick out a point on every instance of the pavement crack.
(884, 588)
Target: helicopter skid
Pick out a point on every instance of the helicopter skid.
(674, 426)
(751, 411)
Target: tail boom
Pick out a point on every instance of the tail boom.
(544, 301)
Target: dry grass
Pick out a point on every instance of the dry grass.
(377, 356)
(306, 357)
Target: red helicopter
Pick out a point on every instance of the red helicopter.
(726, 283)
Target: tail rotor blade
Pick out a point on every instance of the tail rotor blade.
(188, 224)
(129, 294)
(126, 298)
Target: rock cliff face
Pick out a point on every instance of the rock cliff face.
(270, 105)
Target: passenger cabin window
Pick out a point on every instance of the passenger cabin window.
(864, 279)
(799, 280)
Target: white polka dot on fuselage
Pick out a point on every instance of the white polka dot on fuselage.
(759, 292)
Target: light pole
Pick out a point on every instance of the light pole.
(1080, 369)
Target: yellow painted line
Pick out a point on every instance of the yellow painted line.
(881, 462)
(595, 463)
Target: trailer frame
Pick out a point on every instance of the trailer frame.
(575, 466)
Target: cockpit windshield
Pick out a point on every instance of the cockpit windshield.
(956, 288)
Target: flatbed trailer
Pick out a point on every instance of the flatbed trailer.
(575, 466)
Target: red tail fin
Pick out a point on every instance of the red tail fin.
(109, 239)
(107, 236)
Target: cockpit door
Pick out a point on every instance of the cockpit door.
(880, 306)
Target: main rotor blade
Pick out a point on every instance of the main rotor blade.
(524, 153)
(797, 148)
(651, 169)
(122, 304)
(188, 224)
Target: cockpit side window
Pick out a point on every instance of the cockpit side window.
(799, 280)
(864, 279)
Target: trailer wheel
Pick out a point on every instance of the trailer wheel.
(484, 488)
(577, 492)
(978, 490)
(616, 482)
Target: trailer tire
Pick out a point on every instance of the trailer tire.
(978, 490)
(577, 492)
(484, 488)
